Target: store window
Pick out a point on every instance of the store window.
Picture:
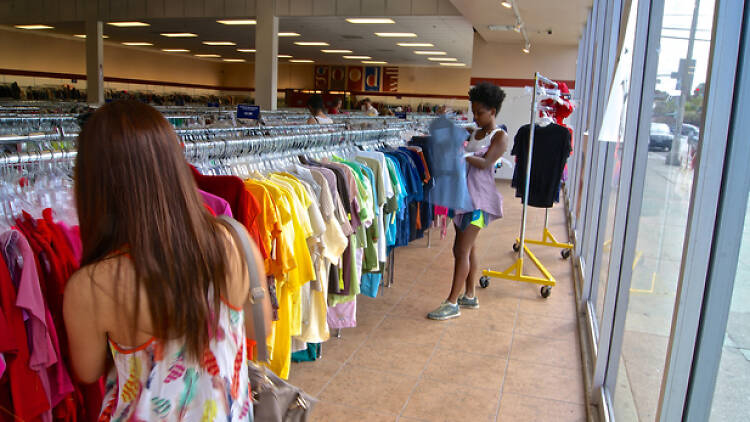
(677, 112)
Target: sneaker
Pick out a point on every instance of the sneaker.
(466, 302)
(445, 311)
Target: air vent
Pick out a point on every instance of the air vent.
(352, 37)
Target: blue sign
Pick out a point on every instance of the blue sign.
(401, 114)
(245, 111)
(212, 104)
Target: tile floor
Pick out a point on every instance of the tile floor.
(517, 358)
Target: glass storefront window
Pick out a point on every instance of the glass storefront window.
(666, 199)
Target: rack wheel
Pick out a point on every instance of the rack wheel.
(484, 281)
(516, 247)
(565, 253)
(546, 291)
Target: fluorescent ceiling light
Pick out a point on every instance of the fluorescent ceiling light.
(246, 50)
(288, 34)
(396, 34)
(219, 43)
(84, 36)
(415, 44)
(506, 4)
(301, 61)
(442, 59)
(431, 53)
(207, 55)
(238, 22)
(284, 56)
(337, 51)
(179, 35)
(34, 27)
(358, 57)
(234, 60)
(320, 43)
(453, 64)
(373, 62)
(128, 24)
(175, 50)
(137, 43)
(370, 20)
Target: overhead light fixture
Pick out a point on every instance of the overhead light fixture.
(284, 56)
(234, 60)
(175, 50)
(506, 4)
(358, 57)
(396, 34)
(442, 59)
(207, 55)
(518, 26)
(137, 43)
(238, 22)
(219, 43)
(312, 43)
(501, 27)
(288, 34)
(431, 53)
(526, 48)
(84, 36)
(246, 50)
(415, 44)
(301, 61)
(179, 35)
(370, 20)
(373, 62)
(337, 51)
(453, 64)
(34, 27)
(128, 24)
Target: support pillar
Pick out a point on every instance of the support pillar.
(266, 54)
(94, 60)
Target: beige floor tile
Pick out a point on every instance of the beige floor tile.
(563, 352)
(415, 308)
(469, 369)
(544, 380)
(341, 349)
(313, 376)
(486, 318)
(394, 356)
(328, 412)
(542, 326)
(409, 330)
(562, 306)
(369, 389)
(439, 401)
(476, 340)
(515, 407)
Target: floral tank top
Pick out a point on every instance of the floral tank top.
(156, 382)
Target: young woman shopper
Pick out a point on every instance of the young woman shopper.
(486, 145)
(161, 298)
(315, 105)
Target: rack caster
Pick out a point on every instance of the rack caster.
(546, 291)
(565, 253)
(516, 247)
(484, 281)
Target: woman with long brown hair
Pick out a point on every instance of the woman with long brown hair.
(163, 286)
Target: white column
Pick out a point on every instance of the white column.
(266, 52)
(94, 60)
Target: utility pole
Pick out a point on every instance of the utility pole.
(687, 71)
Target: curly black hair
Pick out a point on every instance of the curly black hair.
(488, 95)
(315, 102)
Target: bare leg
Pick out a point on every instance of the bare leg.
(473, 270)
(462, 254)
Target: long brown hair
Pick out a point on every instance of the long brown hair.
(136, 194)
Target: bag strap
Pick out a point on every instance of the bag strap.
(257, 292)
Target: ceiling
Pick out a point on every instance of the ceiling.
(452, 34)
(565, 19)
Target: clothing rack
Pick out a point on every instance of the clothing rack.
(515, 271)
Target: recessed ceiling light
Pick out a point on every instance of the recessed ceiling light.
(219, 43)
(238, 22)
(84, 36)
(337, 51)
(396, 34)
(301, 61)
(284, 56)
(506, 4)
(128, 24)
(453, 64)
(370, 20)
(373, 62)
(431, 53)
(179, 35)
(415, 44)
(358, 57)
(288, 34)
(207, 55)
(442, 59)
(137, 43)
(34, 27)
(234, 60)
(246, 50)
(175, 50)
(320, 43)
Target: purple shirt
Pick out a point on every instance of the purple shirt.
(218, 204)
(482, 189)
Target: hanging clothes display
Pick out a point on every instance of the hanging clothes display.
(448, 166)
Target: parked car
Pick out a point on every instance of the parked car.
(661, 137)
(692, 132)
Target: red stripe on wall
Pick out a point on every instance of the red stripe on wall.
(515, 82)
